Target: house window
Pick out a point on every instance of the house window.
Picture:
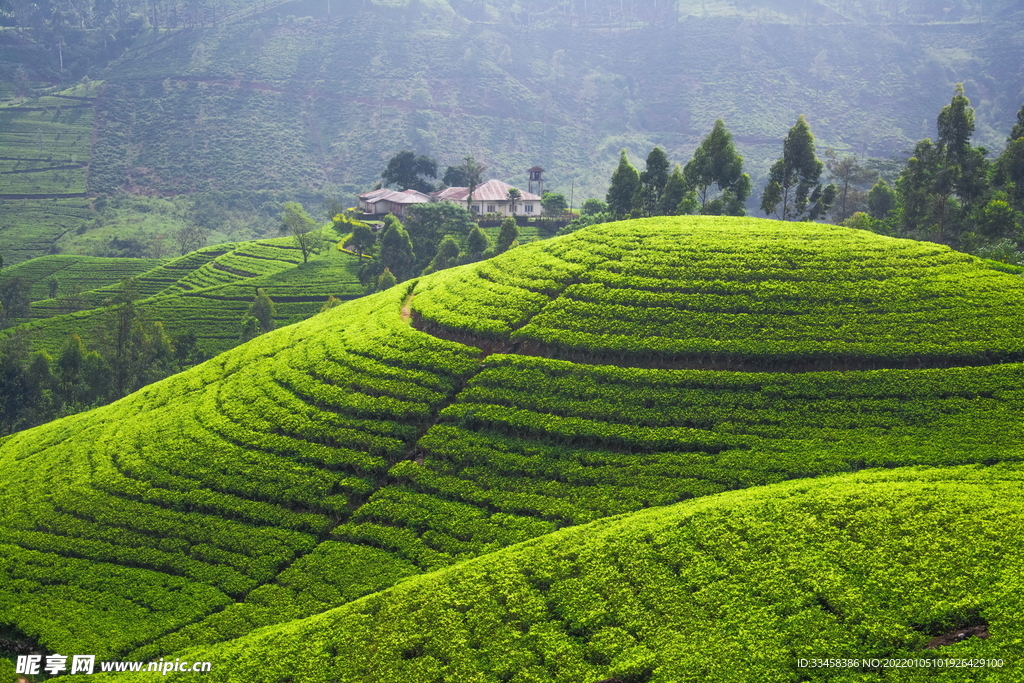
(476, 208)
(528, 208)
(490, 208)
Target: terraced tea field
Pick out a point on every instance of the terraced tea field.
(205, 293)
(45, 147)
(418, 430)
(75, 273)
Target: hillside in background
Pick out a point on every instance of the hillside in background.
(489, 404)
(277, 102)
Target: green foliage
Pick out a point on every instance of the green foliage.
(786, 572)
(477, 243)
(428, 224)
(625, 186)
(396, 254)
(716, 163)
(306, 232)
(332, 458)
(843, 304)
(405, 170)
(447, 255)
(362, 239)
(387, 280)
(652, 182)
(83, 273)
(593, 206)
(554, 204)
(946, 180)
(793, 189)
(508, 235)
(881, 200)
(263, 310)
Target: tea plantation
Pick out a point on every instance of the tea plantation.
(480, 407)
(869, 569)
(205, 293)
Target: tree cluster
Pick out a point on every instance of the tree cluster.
(950, 192)
(711, 183)
(434, 236)
(130, 353)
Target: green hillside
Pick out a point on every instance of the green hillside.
(206, 293)
(562, 95)
(881, 569)
(308, 101)
(330, 459)
(74, 273)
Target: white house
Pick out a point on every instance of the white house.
(489, 197)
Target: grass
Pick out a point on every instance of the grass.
(330, 459)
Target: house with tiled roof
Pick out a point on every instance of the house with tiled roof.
(491, 197)
(390, 201)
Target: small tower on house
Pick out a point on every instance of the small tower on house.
(536, 175)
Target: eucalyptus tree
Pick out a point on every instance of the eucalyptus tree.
(716, 164)
(794, 190)
(653, 180)
(625, 187)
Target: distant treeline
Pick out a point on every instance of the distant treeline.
(947, 192)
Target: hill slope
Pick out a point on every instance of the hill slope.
(329, 459)
(879, 570)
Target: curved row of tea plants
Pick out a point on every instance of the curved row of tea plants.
(68, 273)
(330, 459)
(174, 294)
(218, 478)
(45, 146)
(736, 290)
(736, 587)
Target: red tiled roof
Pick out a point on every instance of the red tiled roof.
(497, 191)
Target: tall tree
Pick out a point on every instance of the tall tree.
(263, 310)
(794, 191)
(850, 177)
(447, 255)
(407, 171)
(716, 164)
(396, 252)
(673, 194)
(307, 233)
(427, 224)
(881, 200)
(514, 197)
(1009, 173)
(1018, 129)
(944, 182)
(189, 238)
(477, 243)
(473, 171)
(508, 236)
(554, 204)
(361, 240)
(625, 187)
(653, 180)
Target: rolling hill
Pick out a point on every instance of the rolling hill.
(483, 406)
